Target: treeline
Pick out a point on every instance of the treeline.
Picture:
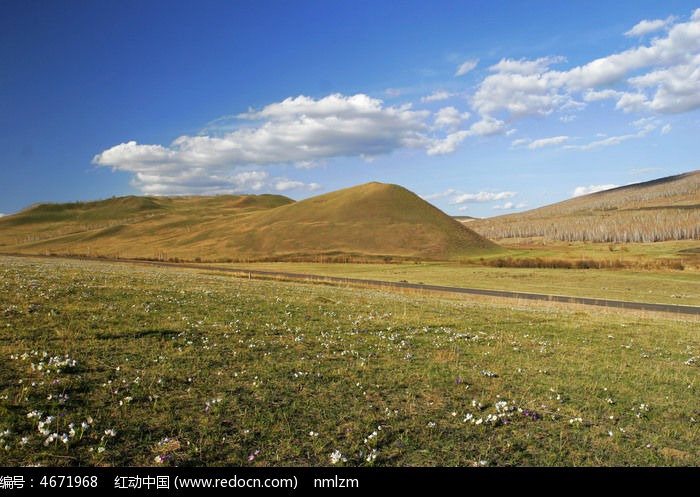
(637, 226)
(546, 263)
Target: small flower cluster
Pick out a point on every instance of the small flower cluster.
(45, 427)
(253, 455)
(162, 459)
(55, 364)
(337, 457)
(641, 410)
(504, 412)
(4, 434)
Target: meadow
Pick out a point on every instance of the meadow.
(126, 365)
(663, 272)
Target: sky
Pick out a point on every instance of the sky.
(481, 108)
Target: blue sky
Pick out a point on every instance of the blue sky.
(481, 108)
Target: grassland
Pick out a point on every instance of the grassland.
(662, 272)
(663, 287)
(119, 365)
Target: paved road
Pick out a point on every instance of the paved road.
(614, 304)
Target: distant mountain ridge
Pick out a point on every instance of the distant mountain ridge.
(662, 209)
(374, 220)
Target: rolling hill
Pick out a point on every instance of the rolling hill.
(368, 221)
(658, 210)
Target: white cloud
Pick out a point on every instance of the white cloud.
(605, 142)
(658, 76)
(585, 190)
(437, 96)
(518, 88)
(632, 102)
(449, 118)
(283, 184)
(448, 144)
(666, 129)
(547, 142)
(595, 96)
(540, 143)
(488, 126)
(525, 67)
(466, 67)
(485, 127)
(645, 126)
(437, 196)
(309, 164)
(645, 27)
(675, 89)
(481, 197)
(298, 130)
(662, 76)
(505, 207)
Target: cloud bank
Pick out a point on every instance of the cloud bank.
(297, 130)
(657, 77)
(660, 77)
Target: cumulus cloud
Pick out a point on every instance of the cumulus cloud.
(595, 96)
(519, 88)
(662, 76)
(449, 118)
(585, 190)
(297, 130)
(646, 26)
(466, 67)
(485, 127)
(656, 76)
(448, 144)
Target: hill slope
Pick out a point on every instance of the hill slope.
(372, 220)
(662, 209)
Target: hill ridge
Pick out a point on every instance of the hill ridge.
(666, 208)
(373, 220)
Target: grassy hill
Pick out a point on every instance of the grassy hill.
(368, 221)
(659, 210)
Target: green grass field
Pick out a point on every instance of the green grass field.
(666, 287)
(120, 365)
